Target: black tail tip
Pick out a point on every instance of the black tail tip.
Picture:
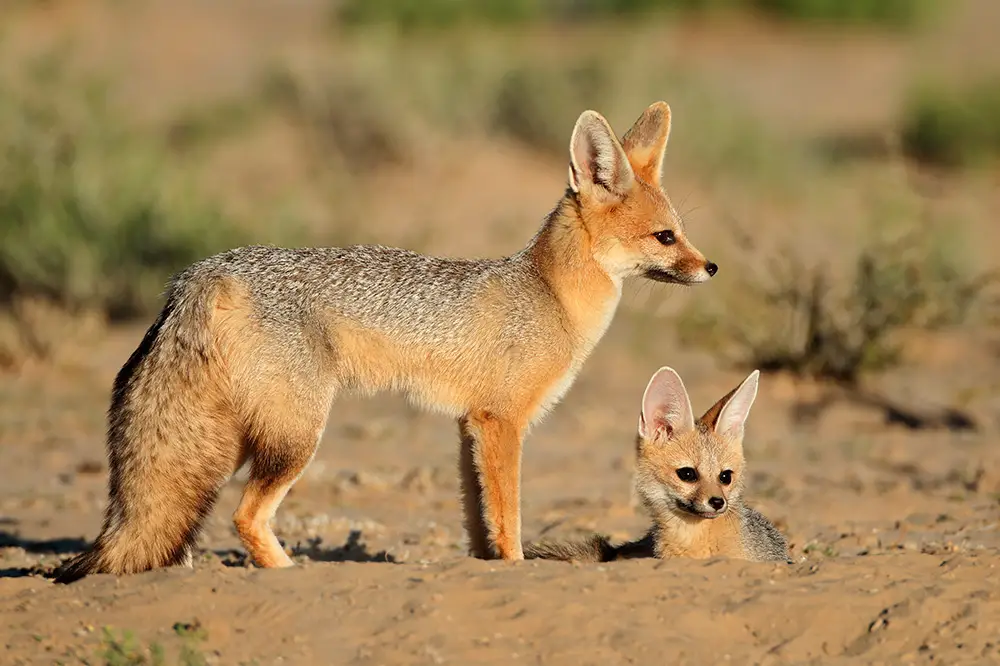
(76, 568)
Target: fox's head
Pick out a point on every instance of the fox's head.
(633, 227)
(691, 469)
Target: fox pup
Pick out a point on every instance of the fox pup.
(689, 476)
(253, 345)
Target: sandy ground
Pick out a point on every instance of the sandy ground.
(895, 533)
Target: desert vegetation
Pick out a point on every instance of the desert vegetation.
(440, 13)
(841, 322)
(99, 209)
(953, 126)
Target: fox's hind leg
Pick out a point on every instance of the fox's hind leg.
(279, 449)
(490, 463)
(472, 496)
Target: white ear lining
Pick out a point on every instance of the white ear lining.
(666, 399)
(734, 413)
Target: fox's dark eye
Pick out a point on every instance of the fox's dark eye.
(688, 474)
(666, 237)
(726, 477)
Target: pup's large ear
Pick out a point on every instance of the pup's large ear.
(666, 408)
(597, 163)
(646, 142)
(728, 415)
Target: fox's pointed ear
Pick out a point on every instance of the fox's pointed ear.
(728, 415)
(646, 142)
(597, 162)
(666, 408)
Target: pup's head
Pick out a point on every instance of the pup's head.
(633, 227)
(693, 469)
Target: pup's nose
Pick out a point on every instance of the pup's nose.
(711, 268)
(716, 503)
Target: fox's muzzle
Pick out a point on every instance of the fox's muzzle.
(703, 274)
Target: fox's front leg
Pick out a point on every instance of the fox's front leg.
(490, 463)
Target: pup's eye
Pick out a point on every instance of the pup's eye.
(726, 477)
(688, 474)
(666, 237)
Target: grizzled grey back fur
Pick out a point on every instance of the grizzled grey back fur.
(394, 291)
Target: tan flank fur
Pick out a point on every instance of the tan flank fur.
(253, 345)
(690, 477)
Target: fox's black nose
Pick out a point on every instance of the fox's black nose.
(711, 268)
(716, 503)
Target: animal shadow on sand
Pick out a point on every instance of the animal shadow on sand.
(353, 550)
(63, 546)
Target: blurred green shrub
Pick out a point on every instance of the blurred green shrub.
(895, 13)
(951, 127)
(412, 13)
(348, 115)
(92, 217)
(812, 321)
(430, 13)
(370, 111)
(536, 104)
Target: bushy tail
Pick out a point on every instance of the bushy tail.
(172, 440)
(595, 549)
